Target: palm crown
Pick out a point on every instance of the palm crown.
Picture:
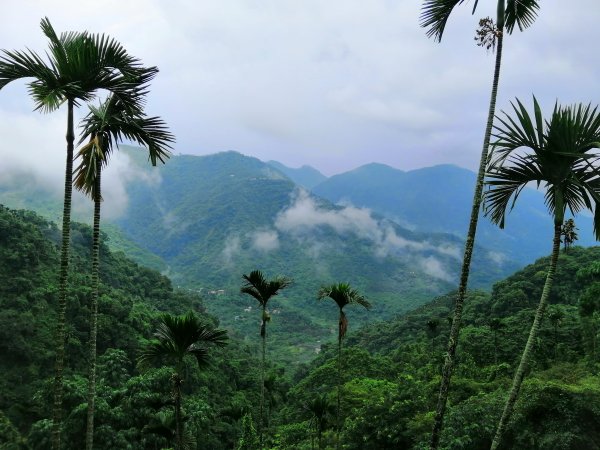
(179, 336)
(107, 125)
(560, 153)
(342, 294)
(78, 65)
(511, 13)
(257, 286)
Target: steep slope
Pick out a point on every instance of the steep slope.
(438, 199)
(213, 218)
(130, 404)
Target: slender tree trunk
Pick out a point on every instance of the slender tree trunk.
(526, 356)
(339, 381)
(263, 334)
(89, 441)
(62, 295)
(469, 244)
(178, 425)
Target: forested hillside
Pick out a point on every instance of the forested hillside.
(134, 409)
(390, 369)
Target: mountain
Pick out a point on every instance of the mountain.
(212, 218)
(205, 221)
(439, 198)
(305, 176)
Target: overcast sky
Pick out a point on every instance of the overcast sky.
(330, 83)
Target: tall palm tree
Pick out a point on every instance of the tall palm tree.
(79, 64)
(104, 127)
(176, 339)
(560, 153)
(434, 16)
(342, 294)
(257, 286)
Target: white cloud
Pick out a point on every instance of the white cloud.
(265, 240)
(231, 249)
(432, 266)
(304, 216)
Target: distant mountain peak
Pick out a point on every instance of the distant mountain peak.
(305, 176)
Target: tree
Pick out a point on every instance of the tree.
(496, 325)
(79, 64)
(560, 153)
(435, 14)
(342, 294)
(257, 286)
(433, 331)
(569, 234)
(319, 409)
(556, 316)
(104, 127)
(176, 339)
(248, 440)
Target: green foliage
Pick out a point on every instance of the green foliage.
(249, 438)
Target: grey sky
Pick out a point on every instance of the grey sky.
(334, 84)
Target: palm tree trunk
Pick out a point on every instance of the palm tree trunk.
(263, 334)
(469, 244)
(526, 356)
(339, 381)
(62, 295)
(89, 441)
(178, 425)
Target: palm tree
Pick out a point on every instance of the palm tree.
(78, 65)
(560, 153)
(176, 339)
(342, 294)
(104, 127)
(319, 409)
(257, 286)
(435, 14)
(569, 233)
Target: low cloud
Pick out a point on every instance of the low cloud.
(434, 267)
(497, 257)
(265, 240)
(33, 152)
(231, 249)
(305, 215)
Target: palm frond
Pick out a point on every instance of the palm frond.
(435, 14)
(178, 336)
(563, 155)
(521, 13)
(505, 183)
(342, 294)
(257, 286)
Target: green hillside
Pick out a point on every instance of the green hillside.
(210, 219)
(130, 404)
(391, 371)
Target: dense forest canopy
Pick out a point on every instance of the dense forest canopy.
(390, 368)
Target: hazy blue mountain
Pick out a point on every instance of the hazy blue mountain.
(305, 176)
(438, 199)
